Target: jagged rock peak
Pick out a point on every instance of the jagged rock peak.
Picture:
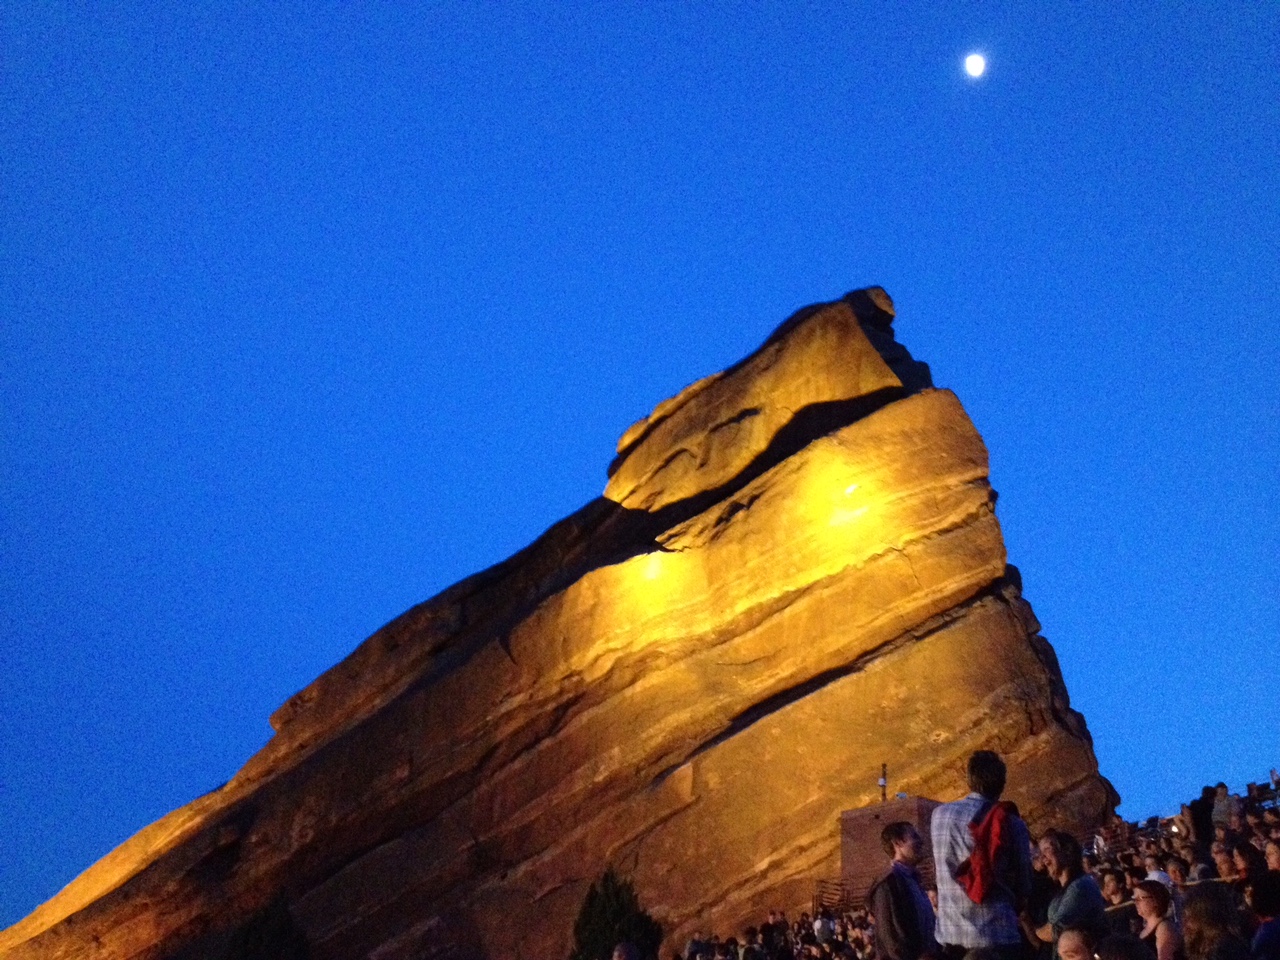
(825, 366)
(794, 575)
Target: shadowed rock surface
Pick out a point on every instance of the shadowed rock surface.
(795, 574)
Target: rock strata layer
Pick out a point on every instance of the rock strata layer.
(795, 575)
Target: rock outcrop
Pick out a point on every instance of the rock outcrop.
(795, 575)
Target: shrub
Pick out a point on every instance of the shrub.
(611, 915)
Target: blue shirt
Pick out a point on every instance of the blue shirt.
(924, 909)
(1078, 904)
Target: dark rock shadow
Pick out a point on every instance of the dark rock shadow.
(270, 934)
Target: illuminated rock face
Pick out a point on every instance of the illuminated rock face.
(796, 575)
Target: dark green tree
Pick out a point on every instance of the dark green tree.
(610, 915)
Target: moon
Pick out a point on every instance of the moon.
(975, 64)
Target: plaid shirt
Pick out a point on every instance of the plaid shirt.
(961, 921)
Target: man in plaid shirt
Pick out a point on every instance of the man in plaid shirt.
(987, 930)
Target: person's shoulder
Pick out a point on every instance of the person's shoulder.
(1268, 936)
(1229, 948)
(886, 878)
(940, 813)
(1013, 817)
(877, 885)
(955, 808)
(1075, 890)
(1092, 893)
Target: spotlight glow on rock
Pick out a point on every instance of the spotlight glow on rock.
(975, 64)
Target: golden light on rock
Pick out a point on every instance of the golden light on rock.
(796, 567)
(653, 566)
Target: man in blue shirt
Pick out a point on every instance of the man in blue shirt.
(988, 930)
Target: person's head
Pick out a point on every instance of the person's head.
(1221, 791)
(1209, 916)
(1049, 854)
(1223, 860)
(987, 774)
(1248, 860)
(1075, 944)
(1177, 869)
(1272, 854)
(902, 842)
(1133, 876)
(1062, 855)
(1113, 888)
(1152, 862)
(1151, 898)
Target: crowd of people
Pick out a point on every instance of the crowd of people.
(845, 934)
(1204, 885)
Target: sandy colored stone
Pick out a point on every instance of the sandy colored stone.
(688, 679)
(712, 431)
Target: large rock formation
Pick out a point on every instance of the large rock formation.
(795, 575)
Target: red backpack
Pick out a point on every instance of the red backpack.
(980, 873)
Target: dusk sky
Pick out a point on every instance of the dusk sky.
(307, 311)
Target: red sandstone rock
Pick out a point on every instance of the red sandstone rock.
(796, 575)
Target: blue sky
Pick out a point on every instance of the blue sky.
(308, 311)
